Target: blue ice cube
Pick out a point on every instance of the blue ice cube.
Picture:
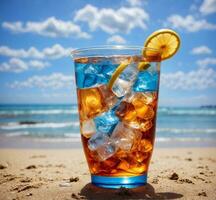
(108, 70)
(92, 69)
(91, 73)
(90, 80)
(80, 76)
(146, 81)
(106, 122)
(101, 79)
(97, 140)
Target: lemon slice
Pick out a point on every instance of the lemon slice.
(165, 40)
(118, 71)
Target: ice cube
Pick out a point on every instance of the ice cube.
(121, 87)
(79, 70)
(145, 126)
(125, 81)
(102, 145)
(108, 96)
(145, 146)
(124, 136)
(101, 79)
(126, 112)
(106, 122)
(97, 140)
(136, 110)
(88, 128)
(91, 72)
(142, 110)
(105, 151)
(90, 102)
(108, 69)
(92, 69)
(94, 101)
(144, 97)
(90, 80)
(146, 81)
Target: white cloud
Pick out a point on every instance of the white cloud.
(208, 7)
(38, 64)
(201, 50)
(52, 81)
(54, 52)
(206, 62)
(50, 27)
(17, 65)
(14, 65)
(113, 21)
(189, 23)
(116, 39)
(200, 79)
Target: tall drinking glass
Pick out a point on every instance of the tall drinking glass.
(117, 93)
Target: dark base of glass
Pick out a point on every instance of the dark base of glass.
(117, 182)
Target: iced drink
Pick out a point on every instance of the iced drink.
(117, 120)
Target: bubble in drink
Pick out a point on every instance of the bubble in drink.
(87, 128)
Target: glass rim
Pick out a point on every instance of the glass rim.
(112, 47)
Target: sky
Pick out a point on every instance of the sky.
(37, 36)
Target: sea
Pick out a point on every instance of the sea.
(175, 125)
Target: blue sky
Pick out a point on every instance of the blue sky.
(36, 37)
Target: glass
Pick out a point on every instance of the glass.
(117, 121)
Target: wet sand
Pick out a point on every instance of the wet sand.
(175, 173)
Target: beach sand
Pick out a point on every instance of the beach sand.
(175, 173)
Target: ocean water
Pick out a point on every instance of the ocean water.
(61, 121)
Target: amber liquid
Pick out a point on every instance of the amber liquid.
(136, 112)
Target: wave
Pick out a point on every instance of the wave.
(189, 130)
(184, 139)
(38, 112)
(189, 111)
(68, 137)
(42, 135)
(17, 125)
(16, 134)
(74, 110)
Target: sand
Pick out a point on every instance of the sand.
(175, 173)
